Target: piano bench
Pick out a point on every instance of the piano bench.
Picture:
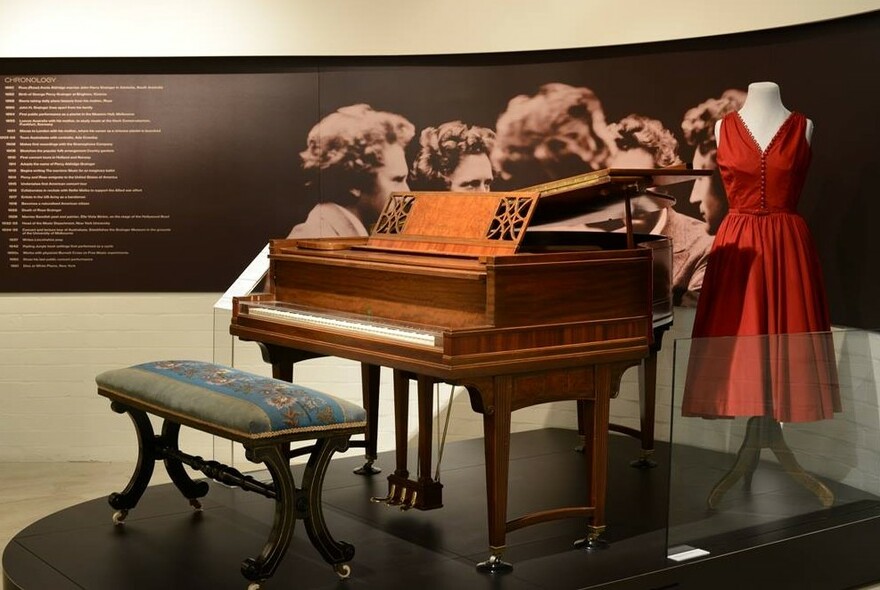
(265, 415)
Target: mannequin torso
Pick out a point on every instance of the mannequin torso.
(763, 113)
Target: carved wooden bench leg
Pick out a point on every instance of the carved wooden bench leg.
(147, 456)
(277, 461)
(191, 490)
(334, 552)
(292, 504)
(151, 449)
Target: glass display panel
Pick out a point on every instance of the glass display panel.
(772, 437)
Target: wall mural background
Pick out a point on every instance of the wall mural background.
(199, 160)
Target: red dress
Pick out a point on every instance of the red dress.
(762, 344)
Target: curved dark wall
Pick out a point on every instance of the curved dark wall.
(227, 168)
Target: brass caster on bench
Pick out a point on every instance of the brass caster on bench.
(119, 517)
(254, 586)
(343, 570)
(197, 506)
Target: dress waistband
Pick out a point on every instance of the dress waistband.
(762, 211)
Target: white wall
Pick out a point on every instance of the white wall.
(52, 346)
(101, 28)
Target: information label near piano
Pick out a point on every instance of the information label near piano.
(483, 291)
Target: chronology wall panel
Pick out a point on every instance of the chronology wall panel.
(144, 182)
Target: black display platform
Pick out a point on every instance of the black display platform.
(164, 544)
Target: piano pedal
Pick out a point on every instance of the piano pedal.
(401, 501)
(412, 502)
(387, 499)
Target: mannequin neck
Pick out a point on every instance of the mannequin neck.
(763, 111)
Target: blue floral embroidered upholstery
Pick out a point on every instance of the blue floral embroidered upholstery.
(249, 405)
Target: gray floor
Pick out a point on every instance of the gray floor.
(31, 491)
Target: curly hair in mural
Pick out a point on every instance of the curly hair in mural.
(558, 132)
(698, 126)
(355, 158)
(641, 136)
(454, 156)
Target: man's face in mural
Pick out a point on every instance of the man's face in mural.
(473, 173)
(388, 178)
(708, 193)
(645, 216)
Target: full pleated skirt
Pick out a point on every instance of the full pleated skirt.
(762, 344)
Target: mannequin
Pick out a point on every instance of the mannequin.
(763, 113)
(763, 310)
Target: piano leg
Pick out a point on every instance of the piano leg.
(401, 422)
(647, 407)
(496, 443)
(647, 410)
(594, 416)
(370, 388)
(648, 400)
(426, 431)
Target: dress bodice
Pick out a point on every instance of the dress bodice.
(768, 180)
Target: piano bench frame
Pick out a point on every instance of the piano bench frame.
(199, 401)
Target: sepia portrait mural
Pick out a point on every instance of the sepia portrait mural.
(305, 147)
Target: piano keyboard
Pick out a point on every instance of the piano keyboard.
(347, 325)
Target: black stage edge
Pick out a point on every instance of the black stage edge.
(163, 544)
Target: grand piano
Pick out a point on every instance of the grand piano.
(472, 289)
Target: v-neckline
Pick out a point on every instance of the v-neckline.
(763, 152)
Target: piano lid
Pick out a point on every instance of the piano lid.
(494, 223)
(605, 194)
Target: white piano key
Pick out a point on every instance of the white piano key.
(349, 325)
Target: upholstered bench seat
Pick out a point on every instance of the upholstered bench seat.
(265, 415)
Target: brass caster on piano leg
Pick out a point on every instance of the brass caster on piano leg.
(644, 461)
(197, 506)
(593, 540)
(494, 565)
(412, 501)
(367, 468)
(387, 500)
(254, 586)
(343, 570)
(119, 517)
